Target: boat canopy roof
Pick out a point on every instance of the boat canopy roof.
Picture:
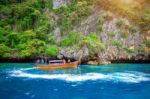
(55, 61)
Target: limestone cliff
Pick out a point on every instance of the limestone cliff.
(121, 37)
(97, 30)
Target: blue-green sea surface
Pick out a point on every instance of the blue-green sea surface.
(115, 81)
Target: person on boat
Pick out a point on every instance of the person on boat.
(38, 61)
(69, 61)
(49, 62)
(42, 61)
(64, 61)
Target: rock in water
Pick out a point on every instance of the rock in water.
(92, 63)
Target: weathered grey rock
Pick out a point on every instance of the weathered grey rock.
(132, 41)
(88, 25)
(92, 63)
(58, 35)
(72, 53)
(111, 52)
(105, 62)
(59, 3)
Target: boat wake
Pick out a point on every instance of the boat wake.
(128, 77)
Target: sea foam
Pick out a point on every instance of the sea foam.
(128, 77)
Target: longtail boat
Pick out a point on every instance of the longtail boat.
(57, 64)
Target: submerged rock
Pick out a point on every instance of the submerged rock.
(105, 62)
(92, 63)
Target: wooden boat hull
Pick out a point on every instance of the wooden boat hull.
(61, 66)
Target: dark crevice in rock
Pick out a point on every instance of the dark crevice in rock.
(130, 61)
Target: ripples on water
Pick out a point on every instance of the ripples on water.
(128, 76)
(118, 81)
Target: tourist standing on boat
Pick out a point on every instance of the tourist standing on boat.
(64, 61)
(69, 61)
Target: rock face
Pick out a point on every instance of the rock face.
(121, 38)
(124, 38)
(88, 25)
(59, 3)
(131, 42)
(57, 34)
(74, 53)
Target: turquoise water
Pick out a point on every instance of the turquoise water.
(116, 81)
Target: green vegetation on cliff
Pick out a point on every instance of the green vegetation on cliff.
(27, 26)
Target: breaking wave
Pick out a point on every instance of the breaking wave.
(128, 77)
